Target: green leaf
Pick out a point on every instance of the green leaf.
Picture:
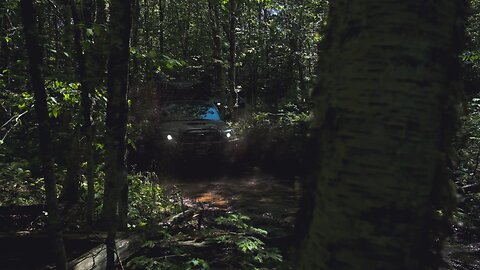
(53, 100)
(89, 32)
(55, 112)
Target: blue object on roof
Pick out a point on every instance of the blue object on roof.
(211, 114)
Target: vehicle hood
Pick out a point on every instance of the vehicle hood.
(182, 126)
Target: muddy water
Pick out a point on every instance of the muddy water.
(270, 202)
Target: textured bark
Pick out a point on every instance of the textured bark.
(383, 115)
(35, 59)
(116, 123)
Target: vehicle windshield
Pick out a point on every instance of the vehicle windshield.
(184, 111)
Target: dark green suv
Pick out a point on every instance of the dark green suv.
(194, 129)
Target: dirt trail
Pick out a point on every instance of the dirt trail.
(270, 202)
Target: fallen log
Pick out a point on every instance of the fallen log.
(179, 218)
(96, 258)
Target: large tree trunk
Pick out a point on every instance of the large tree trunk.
(114, 207)
(35, 58)
(383, 115)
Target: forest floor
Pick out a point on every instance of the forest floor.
(269, 201)
(272, 203)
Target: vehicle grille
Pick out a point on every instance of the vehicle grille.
(201, 135)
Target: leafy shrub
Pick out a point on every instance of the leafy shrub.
(240, 244)
(147, 200)
(17, 185)
(277, 141)
(467, 167)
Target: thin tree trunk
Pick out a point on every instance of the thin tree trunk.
(384, 119)
(147, 39)
(4, 46)
(71, 184)
(213, 6)
(116, 123)
(135, 75)
(35, 58)
(161, 15)
(232, 39)
(98, 62)
(67, 35)
(93, 61)
(88, 10)
(186, 35)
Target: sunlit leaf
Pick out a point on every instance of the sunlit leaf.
(89, 32)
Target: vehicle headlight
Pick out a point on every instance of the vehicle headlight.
(228, 133)
(169, 137)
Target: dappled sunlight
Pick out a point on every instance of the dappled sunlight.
(212, 198)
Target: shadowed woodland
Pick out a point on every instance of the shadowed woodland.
(239, 134)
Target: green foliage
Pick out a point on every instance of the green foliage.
(244, 242)
(147, 263)
(197, 264)
(239, 243)
(18, 186)
(277, 140)
(466, 168)
(64, 98)
(148, 202)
